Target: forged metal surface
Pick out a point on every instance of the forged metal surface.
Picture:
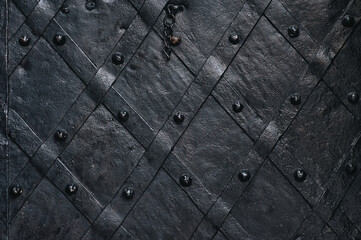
(250, 129)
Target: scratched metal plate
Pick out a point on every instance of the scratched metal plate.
(252, 137)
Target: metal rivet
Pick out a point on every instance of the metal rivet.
(128, 192)
(16, 191)
(185, 180)
(233, 38)
(123, 116)
(300, 175)
(348, 21)
(293, 31)
(178, 117)
(175, 40)
(71, 189)
(61, 135)
(237, 107)
(65, 9)
(59, 39)
(351, 168)
(117, 58)
(90, 5)
(353, 97)
(244, 175)
(295, 99)
(24, 41)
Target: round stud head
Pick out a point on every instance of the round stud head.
(295, 99)
(244, 175)
(128, 192)
(175, 41)
(353, 97)
(123, 116)
(65, 9)
(351, 168)
(178, 118)
(59, 39)
(90, 5)
(237, 107)
(348, 21)
(16, 191)
(117, 58)
(71, 189)
(300, 175)
(293, 31)
(185, 180)
(61, 135)
(234, 38)
(24, 41)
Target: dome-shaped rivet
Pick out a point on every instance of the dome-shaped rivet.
(117, 58)
(178, 118)
(300, 175)
(353, 97)
(90, 5)
(175, 41)
(71, 189)
(244, 175)
(24, 41)
(59, 39)
(237, 107)
(61, 135)
(128, 192)
(295, 99)
(293, 31)
(123, 116)
(351, 168)
(185, 180)
(233, 38)
(65, 9)
(16, 191)
(348, 21)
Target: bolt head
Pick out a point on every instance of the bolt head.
(234, 38)
(178, 118)
(65, 9)
(351, 168)
(353, 97)
(16, 191)
(244, 175)
(175, 41)
(128, 192)
(348, 21)
(293, 31)
(295, 99)
(71, 189)
(118, 58)
(61, 135)
(237, 107)
(24, 41)
(185, 180)
(90, 5)
(123, 116)
(300, 175)
(59, 39)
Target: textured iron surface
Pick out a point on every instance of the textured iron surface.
(251, 130)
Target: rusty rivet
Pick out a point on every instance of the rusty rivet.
(293, 31)
(300, 175)
(16, 191)
(178, 117)
(237, 107)
(128, 192)
(123, 116)
(348, 21)
(61, 135)
(351, 168)
(353, 97)
(244, 175)
(175, 41)
(295, 99)
(233, 38)
(185, 180)
(71, 189)
(59, 39)
(90, 5)
(65, 9)
(117, 58)
(24, 41)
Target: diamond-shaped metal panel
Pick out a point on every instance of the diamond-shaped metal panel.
(249, 130)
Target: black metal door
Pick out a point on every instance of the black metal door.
(199, 119)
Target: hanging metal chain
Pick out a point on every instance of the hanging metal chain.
(168, 23)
